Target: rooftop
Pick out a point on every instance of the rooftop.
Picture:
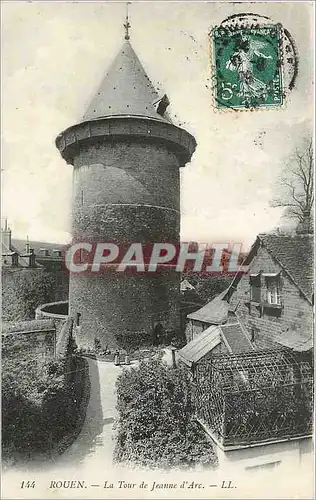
(296, 255)
(214, 312)
(205, 342)
(125, 90)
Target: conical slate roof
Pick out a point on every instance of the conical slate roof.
(125, 90)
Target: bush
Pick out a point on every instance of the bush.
(155, 427)
(130, 340)
(38, 405)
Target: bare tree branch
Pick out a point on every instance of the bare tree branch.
(296, 184)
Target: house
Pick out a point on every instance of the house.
(213, 329)
(274, 300)
(250, 353)
(269, 307)
(23, 254)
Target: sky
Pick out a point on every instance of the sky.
(54, 55)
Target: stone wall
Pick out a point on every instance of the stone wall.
(125, 190)
(114, 303)
(121, 172)
(35, 338)
(64, 342)
(57, 312)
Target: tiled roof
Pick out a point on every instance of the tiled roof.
(294, 340)
(200, 346)
(214, 312)
(295, 255)
(236, 338)
(125, 90)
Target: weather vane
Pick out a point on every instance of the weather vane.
(127, 23)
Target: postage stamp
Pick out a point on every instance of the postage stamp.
(247, 66)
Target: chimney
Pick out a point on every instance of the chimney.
(27, 245)
(6, 237)
(305, 226)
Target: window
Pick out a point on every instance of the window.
(255, 287)
(273, 289)
(78, 319)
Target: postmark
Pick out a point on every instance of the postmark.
(254, 63)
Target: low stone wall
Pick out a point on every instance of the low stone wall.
(64, 341)
(36, 338)
(55, 311)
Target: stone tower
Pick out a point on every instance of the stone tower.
(126, 156)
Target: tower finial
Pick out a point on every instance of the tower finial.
(127, 23)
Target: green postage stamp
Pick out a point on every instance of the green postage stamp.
(247, 65)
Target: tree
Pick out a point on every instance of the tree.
(296, 184)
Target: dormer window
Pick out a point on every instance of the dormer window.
(162, 104)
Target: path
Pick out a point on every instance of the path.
(95, 443)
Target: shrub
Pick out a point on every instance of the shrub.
(38, 405)
(130, 340)
(155, 427)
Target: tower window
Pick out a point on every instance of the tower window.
(162, 105)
